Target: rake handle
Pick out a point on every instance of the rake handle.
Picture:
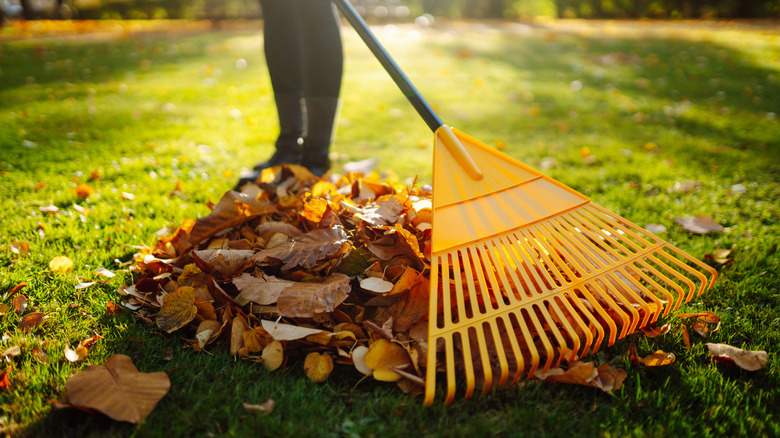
(419, 103)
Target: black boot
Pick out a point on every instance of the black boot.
(320, 121)
(289, 107)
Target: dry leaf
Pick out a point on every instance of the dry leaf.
(359, 359)
(16, 289)
(80, 353)
(30, 321)
(4, 308)
(745, 359)
(11, 352)
(256, 339)
(265, 407)
(376, 285)
(652, 331)
(178, 309)
(207, 332)
(383, 355)
(700, 224)
(706, 317)
(117, 389)
(306, 251)
(273, 355)
(412, 306)
(686, 337)
(40, 355)
(225, 261)
(19, 304)
(287, 332)
(263, 290)
(5, 382)
(61, 264)
(658, 359)
(304, 300)
(84, 190)
(318, 367)
(238, 327)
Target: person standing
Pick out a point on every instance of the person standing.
(303, 50)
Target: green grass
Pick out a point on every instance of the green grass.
(145, 111)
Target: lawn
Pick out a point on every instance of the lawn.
(651, 120)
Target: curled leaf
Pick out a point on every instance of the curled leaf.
(30, 321)
(700, 224)
(745, 359)
(273, 355)
(658, 359)
(384, 355)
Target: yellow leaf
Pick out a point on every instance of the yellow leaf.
(318, 367)
(273, 355)
(178, 309)
(257, 339)
(237, 334)
(382, 355)
(61, 264)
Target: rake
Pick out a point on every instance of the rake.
(525, 271)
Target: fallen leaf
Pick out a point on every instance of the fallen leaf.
(265, 407)
(383, 355)
(39, 355)
(19, 248)
(61, 264)
(5, 382)
(263, 290)
(104, 272)
(287, 332)
(376, 285)
(273, 355)
(306, 251)
(658, 359)
(19, 304)
(84, 190)
(4, 308)
(706, 317)
(11, 352)
(411, 306)
(685, 336)
(238, 327)
(80, 353)
(84, 285)
(700, 224)
(225, 261)
(359, 359)
(745, 359)
(117, 389)
(304, 300)
(30, 321)
(256, 339)
(178, 309)
(318, 367)
(652, 331)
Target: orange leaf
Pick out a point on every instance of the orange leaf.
(5, 382)
(30, 321)
(315, 209)
(706, 317)
(318, 367)
(19, 304)
(117, 389)
(84, 190)
(658, 359)
(686, 337)
(178, 309)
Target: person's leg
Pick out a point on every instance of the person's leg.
(323, 61)
(283, 55)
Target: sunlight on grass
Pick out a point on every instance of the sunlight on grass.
(172, 118)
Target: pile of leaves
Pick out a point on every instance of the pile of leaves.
(296, 264)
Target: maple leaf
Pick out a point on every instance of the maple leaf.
(117, 389)
(307, 251)
(304, 300)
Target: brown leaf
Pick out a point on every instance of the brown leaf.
(178, 309)
(30, 321)
(685, 336)
(745, 359)
(700, 224)
(381, 213)
(16, 289)
(263, 290)
(232, 210)
(658, 359)
(256, 339)
(207, 332)
(706, 317)
(19, 304)
(307, 251)
(397, 242)
(411, 306)
(238, 327)
(318, 367)
(117, 389)
(268, 229)
(304, 300)
(652, 330)
(227, 262)
(578, 373)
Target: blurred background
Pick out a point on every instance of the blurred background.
(396, 10)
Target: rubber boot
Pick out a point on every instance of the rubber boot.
(289, 107)
(320, 126)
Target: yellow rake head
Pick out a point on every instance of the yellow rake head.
(526, 271)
